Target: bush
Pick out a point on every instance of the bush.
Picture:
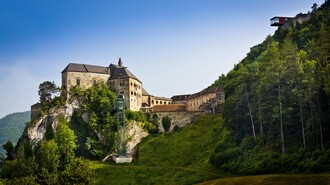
(28, 180)
(78, 173)
(166, 122)
(152, 129)
(135, 116)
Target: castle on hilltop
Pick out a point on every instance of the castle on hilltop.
(136, 97)
(178, 107)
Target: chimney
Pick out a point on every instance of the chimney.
(120, 63)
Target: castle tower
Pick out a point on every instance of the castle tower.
(120, 63)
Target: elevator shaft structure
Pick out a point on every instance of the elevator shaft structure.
(122, 136)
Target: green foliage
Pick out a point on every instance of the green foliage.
(26, 168)
(46, 90)
(49, 134)
(248, 159)
(83, 133)
(166, 122)
(66, 141)
(278, 93)
(151, 128)
(78, 173)
(135, 116)
(9, 147)
(148, 124)
(49, 156)
(50, 96)
(11, 127)
(46, 177)
(98, 101)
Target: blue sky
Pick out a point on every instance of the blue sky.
(172, 46)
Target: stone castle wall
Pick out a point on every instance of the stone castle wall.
(179, 119)
(197, 104)
(132, 90)
(86, 79)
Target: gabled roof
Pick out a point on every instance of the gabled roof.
(180, 97)
(169, 108)
(73, 67)
(206, 91)
(118, 72)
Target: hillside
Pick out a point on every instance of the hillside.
(278, 102)
(12, 126)
(188, 147)
(181, 157)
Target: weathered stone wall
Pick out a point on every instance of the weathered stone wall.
(153, 100)
(196, 104)
(35, 111)
(132, 90)
(87, 79)
(161, 101)
(135, 97)
(179, 119)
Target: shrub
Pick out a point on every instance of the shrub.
(152, 129)
(78, 173)
(166, 122)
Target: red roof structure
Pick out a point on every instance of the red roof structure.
(278, 21)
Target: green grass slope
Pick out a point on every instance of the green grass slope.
(12, 126)
(188, 147)
(317, 179)
(160, 175)
(181, 158)
(177, 158)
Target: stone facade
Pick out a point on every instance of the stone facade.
(201, 101)
(132, 90)
(117, 76)
(176, 112)
(84, 79)
(148, 101)
(137, 98)
(35, 111)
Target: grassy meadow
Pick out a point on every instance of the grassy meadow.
(182, 158)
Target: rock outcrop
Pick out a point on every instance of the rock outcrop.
(35, 131)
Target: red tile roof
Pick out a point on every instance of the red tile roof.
(169, 108)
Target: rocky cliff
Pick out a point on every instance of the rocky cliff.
(35, 131)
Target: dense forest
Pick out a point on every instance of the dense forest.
(275, 120)
(12, 126)
(277, 102)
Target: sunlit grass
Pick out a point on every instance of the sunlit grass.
(303, 179)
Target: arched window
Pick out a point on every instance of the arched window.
(78, 81)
